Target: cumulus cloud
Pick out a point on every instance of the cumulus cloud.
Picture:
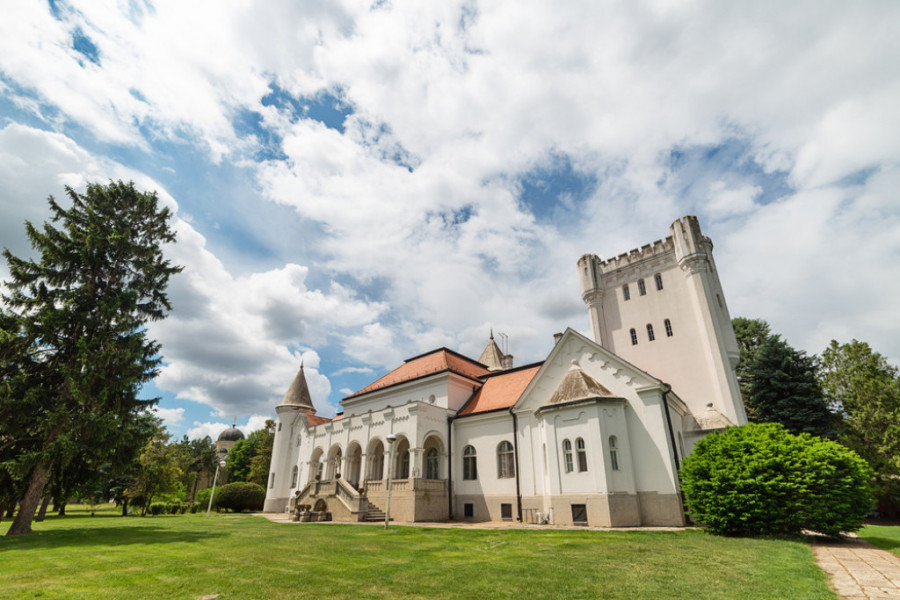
(774, 124)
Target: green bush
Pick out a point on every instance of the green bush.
(759, 479)
(172, 508)
(195, 506)
(158, 508)
(241, 496)
(203, 497)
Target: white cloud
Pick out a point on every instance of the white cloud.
(171, 416)
(473, 97)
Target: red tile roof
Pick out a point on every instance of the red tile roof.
(500, 391)
(436, 361)
(314, 420)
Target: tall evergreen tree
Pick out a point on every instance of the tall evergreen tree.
(784, 389)
(750, 334)
(80, 338)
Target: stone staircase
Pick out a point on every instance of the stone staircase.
(374, 514)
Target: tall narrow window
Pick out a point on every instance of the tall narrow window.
(658, 279)
(272, 480)
(431, 464)
(626, 292)
(633, 337)
(668, 325)
(506, 465)
(613, 453)
(642, 289)
(582, 455)
(403, 470)
(567, 455)
(470, 463)
(294, 477)
(650, 332)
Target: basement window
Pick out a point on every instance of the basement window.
(579, 514)
(468, 510)
(506, 512)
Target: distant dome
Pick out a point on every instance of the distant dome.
(232, 434)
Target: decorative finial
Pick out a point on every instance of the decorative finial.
(492, 333)
(234, 423)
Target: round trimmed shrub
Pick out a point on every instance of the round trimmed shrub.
(241, 496)
(758, 479)
(157, 508)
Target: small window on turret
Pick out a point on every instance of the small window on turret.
(658, 279)
(642, 289)
(626, 292)
(650, 332)
(668, 325)
(633, 337)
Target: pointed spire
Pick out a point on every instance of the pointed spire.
(492, 357)
(298, 394)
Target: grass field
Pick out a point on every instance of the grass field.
(883, 537)
(188, 556)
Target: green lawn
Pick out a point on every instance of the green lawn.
(188, 556)
(883, 537)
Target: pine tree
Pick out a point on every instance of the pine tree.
(750, 334)
(79, 352)
(784, 389)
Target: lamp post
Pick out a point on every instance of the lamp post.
(387, 512)
(213, 493)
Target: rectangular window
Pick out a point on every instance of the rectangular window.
(642, 289)
(579, 514)
(626, 292)
(468, 510)
(658, 279)
(272, 480)
(506, 512)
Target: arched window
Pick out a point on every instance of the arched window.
(613, 453)
(582, 455)
(642, 289)
(633, 337)
(650, 332)
(668, 325)
(403, 466)
(567, 455)
(470, 464)
(294, 477)
(431, 464)
(506, 462)
(658, 279)
(626, 292)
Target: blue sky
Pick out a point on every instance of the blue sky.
(357, 183)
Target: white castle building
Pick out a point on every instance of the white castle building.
(593, 434)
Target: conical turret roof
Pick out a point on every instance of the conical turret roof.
(298, 394)
(492, 357)
(578, 385)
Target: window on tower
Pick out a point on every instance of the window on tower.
(626, 292)
(633, 337)
(668, 325)
(642, 289)
(650, 332)
(658, 279)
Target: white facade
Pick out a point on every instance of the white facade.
(585, 436)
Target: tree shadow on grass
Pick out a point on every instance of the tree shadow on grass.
(107, 536)
(889, 544)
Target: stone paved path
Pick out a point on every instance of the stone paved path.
(858, 570)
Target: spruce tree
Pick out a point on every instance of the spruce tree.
(78, 352)
(784, 389)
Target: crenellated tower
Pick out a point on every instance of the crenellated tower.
(662, 308)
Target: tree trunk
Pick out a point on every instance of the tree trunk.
(62, 509)
(22, 523)
(43, 512)
(10, 510)
(125, 507)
